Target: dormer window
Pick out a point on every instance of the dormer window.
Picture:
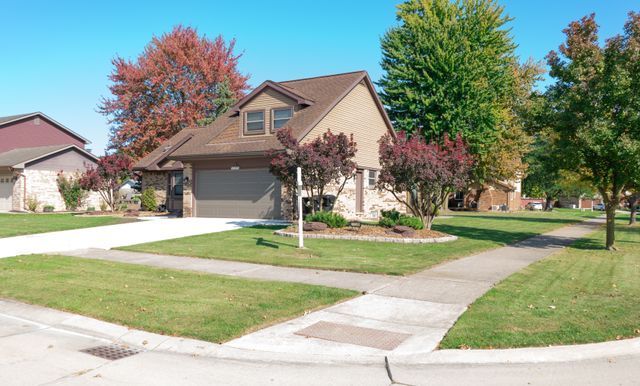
(254, 122)
(280, 117)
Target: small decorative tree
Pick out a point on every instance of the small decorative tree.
(71, 191)
(422, 175)
(326, 160)
(111, 172)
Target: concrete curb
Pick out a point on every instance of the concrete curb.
(69, 323)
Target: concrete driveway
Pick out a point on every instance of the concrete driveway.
(111, 236)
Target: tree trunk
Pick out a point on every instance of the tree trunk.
(548, 204)
(610, 206)
(633, 203)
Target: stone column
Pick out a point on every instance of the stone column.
(187, 190)
(17, 196)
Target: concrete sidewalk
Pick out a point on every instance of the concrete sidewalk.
(422, 307)
(347, 280)
(119, 235)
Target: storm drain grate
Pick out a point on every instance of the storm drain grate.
(111, 352)
(361, 336)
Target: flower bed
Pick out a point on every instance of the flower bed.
(371, 233)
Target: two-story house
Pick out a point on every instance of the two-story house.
(34, 148)
(221, 170)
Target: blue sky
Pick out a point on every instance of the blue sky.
(56, 55)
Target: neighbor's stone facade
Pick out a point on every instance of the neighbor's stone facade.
(157, 181)
(42, 186)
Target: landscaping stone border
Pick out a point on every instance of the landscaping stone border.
(377, 239)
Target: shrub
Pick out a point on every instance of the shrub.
(48, 208)
(333, 220)
(411, 221)
(103, 206)
(32, 204)
(392, 215)
(387, 222)
(148, 199)
(91, 209)
(391, 218)
(72, 193)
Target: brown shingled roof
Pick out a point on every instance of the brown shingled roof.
(318, 95)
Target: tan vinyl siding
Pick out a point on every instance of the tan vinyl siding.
(356, 113)
(229, 134)
(265, 101)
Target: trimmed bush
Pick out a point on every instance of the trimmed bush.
(148, 200)
(391, 218)
(411, 221)
(333, 220)
(48, 208)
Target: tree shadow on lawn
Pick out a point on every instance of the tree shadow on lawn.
(485, 234)
(532, 219)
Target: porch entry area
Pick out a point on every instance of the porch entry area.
(174, 190)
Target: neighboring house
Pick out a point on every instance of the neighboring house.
(33, 150)
(494, 196)
(129, 189)
(578, 202)
(221, 170)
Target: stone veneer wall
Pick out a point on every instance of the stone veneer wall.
(374, 202)
(158, 182)
(17, 197)
(187, 190)
(42, 185)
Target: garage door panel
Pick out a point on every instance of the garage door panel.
(237, 193)
(6, 190)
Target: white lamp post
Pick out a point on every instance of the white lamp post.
(299, 178)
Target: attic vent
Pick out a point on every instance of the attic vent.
(36, 121)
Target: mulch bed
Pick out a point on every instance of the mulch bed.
(372, 231)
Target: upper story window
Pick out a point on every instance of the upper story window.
(281, 117)
(254, 122)
(372, 177)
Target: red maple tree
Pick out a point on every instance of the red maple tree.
(326, 160)
(107, 177)
(428, 172)
(179, 80)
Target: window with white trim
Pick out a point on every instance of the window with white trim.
(254, 122)
(372, 178)
(281, 117)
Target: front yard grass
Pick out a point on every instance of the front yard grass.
(583, 294)
(25, 224)
(202, 306)
(476, 232)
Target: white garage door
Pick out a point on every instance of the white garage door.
(6, 188)
(237, 194)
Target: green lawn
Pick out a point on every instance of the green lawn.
(26, 224)
(209, 307)
(477, 232)
(580, 295)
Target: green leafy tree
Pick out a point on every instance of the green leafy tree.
(450, 68)
(596, 107)
(543, 178)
